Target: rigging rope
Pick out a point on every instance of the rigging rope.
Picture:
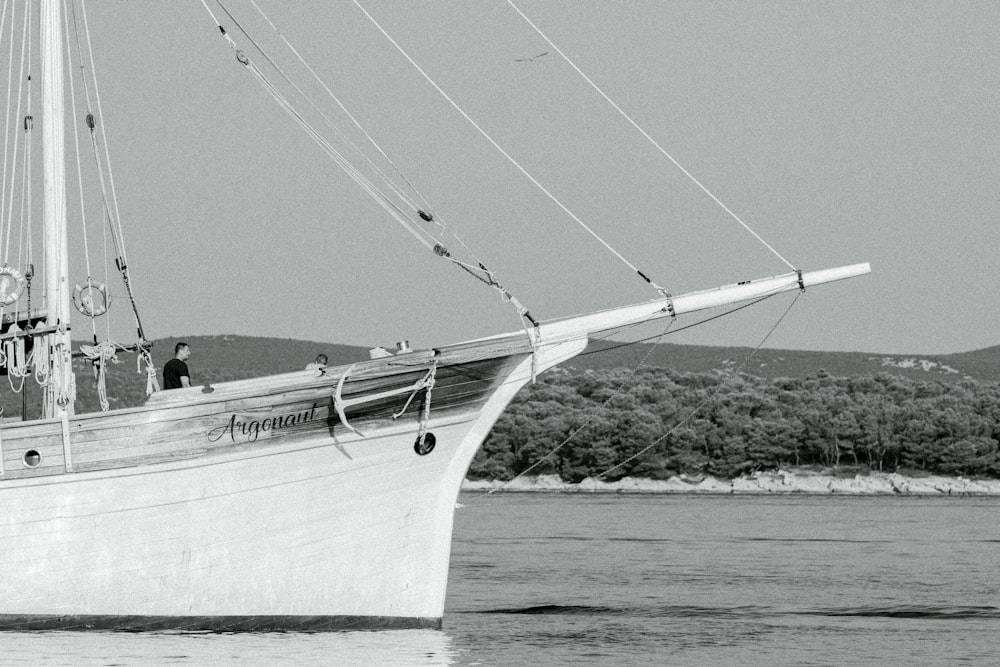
(20, 91)
(13, 354)
(707, 398)
(41, 355)
(646, 135)
(392, 186)
(507, 155)
(100, 355)
(120, 240)
(657, 337)
(423, 236)
(24, 235)
(367, 135)
(349, 115)
(411, 224)
(111, 207)
(590, 418)
(143, 357)
(684, 328)
(7, 124)
(79, 177)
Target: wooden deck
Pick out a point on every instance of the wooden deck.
(260, 413)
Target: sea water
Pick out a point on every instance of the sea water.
(607, 579)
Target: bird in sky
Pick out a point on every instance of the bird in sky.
(532, 58)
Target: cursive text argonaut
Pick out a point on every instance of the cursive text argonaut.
(249, 430)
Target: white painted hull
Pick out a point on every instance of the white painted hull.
(313, 534)
(261, 504)
(326, 531)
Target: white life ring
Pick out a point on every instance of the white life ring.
(86, 303)
(11, 285)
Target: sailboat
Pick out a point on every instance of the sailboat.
(317, 499)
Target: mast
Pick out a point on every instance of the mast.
(59, 392)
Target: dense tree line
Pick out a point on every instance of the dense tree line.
(702, 423)
(728, 425)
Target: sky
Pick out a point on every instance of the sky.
(840, 132)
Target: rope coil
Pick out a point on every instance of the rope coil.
(152, 384)
(100, 355)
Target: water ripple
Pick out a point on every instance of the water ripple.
(602, 610)
(837, 540)
(911, 611)
(752, 611)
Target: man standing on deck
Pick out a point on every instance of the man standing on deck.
(175, 371)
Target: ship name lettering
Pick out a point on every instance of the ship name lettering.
(249, 430)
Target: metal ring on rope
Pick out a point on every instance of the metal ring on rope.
(11, 285)
(91, 300)
(424, 444)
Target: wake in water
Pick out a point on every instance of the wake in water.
(674, 611)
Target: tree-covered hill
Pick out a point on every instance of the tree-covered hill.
(719, 423)
(788, 408)
(215, 358)
(218, 358)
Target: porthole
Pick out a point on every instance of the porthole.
(427, 446)
(32, 458)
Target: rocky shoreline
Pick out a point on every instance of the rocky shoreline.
(759, 483)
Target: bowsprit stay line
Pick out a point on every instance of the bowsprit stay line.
(318, 499)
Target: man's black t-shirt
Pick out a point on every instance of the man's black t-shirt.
(172, 372)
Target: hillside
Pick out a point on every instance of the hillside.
(982, 365)
(213, 359)
(217, 357)
(227, 357)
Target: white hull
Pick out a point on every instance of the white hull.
(299, 533)
(328, 530)
(255, 505)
